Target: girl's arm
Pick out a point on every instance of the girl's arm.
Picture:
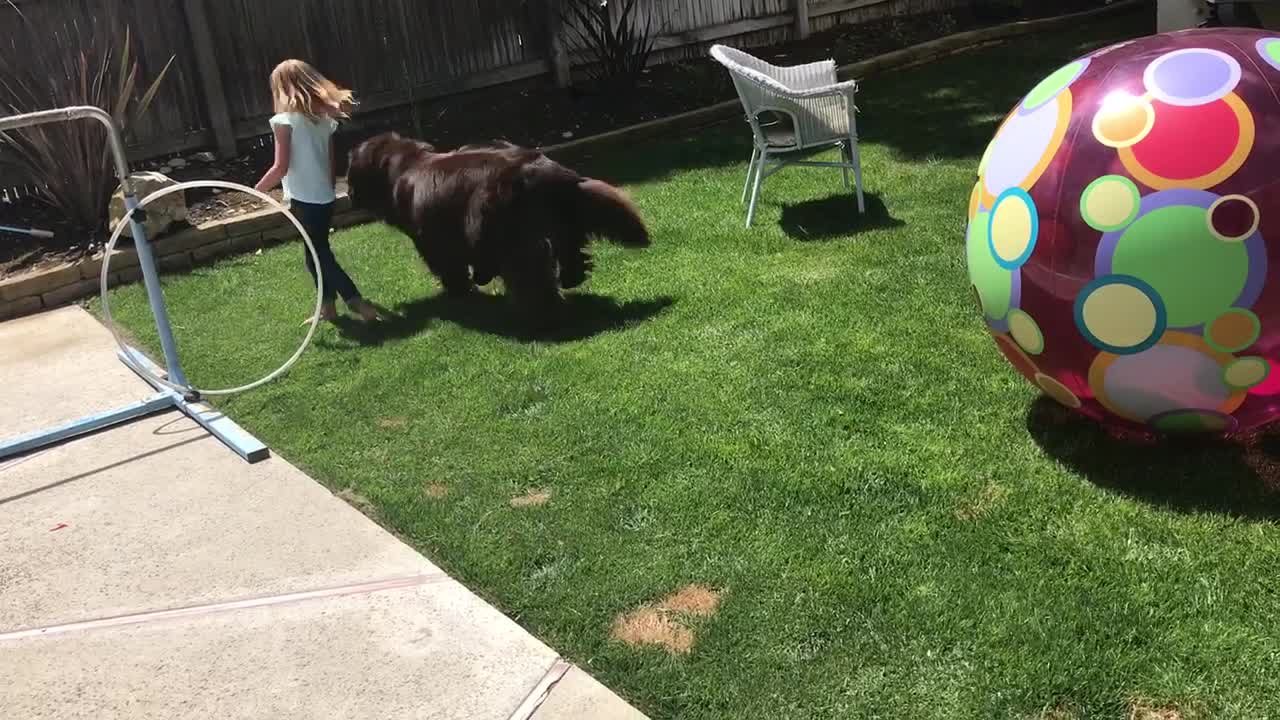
(283, 134)
(333, 162)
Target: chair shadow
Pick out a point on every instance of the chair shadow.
(584, 315)
(835, 216)
(1239, 477)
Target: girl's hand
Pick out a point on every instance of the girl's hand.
(283, 134)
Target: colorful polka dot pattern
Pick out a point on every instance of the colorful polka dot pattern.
(1117, 237)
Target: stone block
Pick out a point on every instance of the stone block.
(128, 276)
(351, 219)
(248, 243)
(161, 214)
(282, 233)
(78, 290)
(38, 282)
(188, 239)
(175, 263)
(20, 307)
(91, 268)
(212, 251)
(246, 223)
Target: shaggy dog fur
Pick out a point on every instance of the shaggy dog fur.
(486, 211)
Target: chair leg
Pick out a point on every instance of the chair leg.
(856, 160)
(845, 155)
(755, 193)
(751, 171)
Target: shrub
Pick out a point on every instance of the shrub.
(71, 163)
(996, 9)
(617, 51)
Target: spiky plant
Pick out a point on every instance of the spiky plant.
(78, 64)
(616, 50)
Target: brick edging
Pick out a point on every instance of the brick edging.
(178, 251)
(194, 246)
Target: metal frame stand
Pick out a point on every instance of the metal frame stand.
(220, 426)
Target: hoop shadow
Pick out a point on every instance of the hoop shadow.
(834, 217)
(584, 315)
(1239, 477)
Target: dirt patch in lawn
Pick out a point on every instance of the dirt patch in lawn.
(987, 499)
(533, 498)
(359, 502)
(436, 491)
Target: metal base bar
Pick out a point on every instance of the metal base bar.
(221, 427)
(92, 423)
(218, 425)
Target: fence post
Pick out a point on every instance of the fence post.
(215, 96)
(802, 19)
(560, 63)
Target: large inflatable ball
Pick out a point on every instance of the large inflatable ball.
(1124, 229)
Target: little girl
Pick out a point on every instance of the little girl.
(308, 106)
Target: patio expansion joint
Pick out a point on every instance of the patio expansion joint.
(542, 690)
(189, 611)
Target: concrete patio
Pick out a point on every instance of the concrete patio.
(148, 572)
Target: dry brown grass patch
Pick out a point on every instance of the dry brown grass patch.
(664, 623)
(392, 423)
(651, 626)
(988, 498)
(697, 600)
(436, 491)
(1058, 713)
(533, 498)
(1141, 710)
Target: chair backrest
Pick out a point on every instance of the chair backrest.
(755, 80)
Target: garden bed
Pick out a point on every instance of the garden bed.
(530, 113)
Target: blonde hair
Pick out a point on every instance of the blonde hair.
(298, 87)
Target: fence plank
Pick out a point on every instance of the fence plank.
(556, 46)
(391, 52)
(210, 77)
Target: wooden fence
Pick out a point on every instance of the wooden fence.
(396, 52)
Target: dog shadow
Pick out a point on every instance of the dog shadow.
(835, 217)
(1238, 477)
(584, 315)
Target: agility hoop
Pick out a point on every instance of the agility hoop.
(126, 352)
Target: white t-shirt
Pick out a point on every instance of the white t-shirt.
(310, 178)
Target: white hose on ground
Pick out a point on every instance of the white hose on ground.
(221, 184)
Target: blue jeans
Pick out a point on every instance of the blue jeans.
(317, 219)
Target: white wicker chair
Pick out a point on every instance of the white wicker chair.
(817, 113)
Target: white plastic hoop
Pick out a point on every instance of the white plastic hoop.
(222, 184)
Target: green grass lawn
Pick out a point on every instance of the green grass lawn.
(808, 417)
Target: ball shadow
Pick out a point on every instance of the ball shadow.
(1239, 476)
(583, 316)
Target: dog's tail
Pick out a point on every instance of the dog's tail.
(601, 209)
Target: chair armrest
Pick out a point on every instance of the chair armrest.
(846, 89)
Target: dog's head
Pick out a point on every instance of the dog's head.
(375, 166)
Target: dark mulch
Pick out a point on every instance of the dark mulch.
(529, 113)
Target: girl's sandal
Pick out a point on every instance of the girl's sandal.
(328, 313)
(365, 310)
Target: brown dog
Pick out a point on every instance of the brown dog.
(486, 211)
